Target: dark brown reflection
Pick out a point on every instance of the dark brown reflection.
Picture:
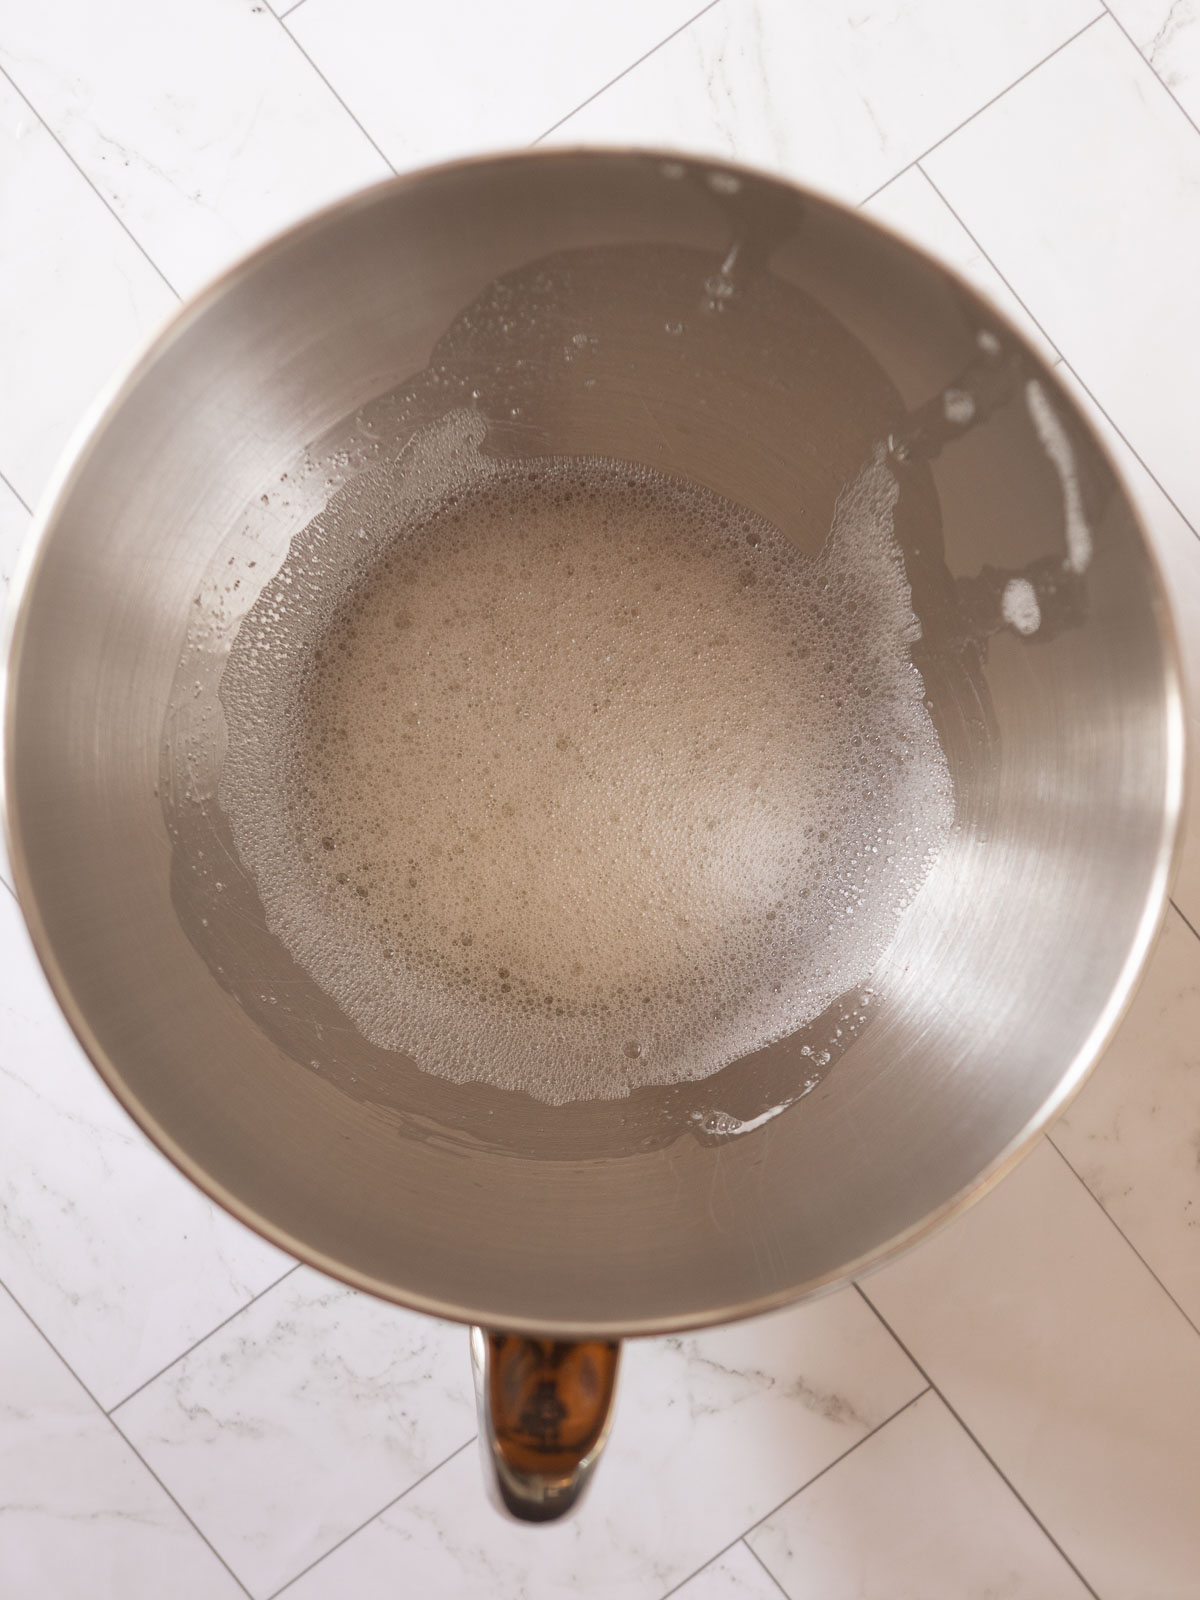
(549, 1399)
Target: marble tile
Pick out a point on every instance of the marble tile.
(440, 81)
(1133, 1134)
(300, 1418)
(1083, 186)
(1177, 547)
(840, 96)
(712, 1431)
(80, 1517)
(916, 1510)
(1167, 32)
(204, 127)
(114, 1254)
(912, 206)
(737, 1575)
(14, 524)
(1063, 1356)
(77, 296)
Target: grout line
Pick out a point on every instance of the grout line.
(295, 6)
(829, 1466)
(125, 1440)
(767, 1569)
(979, 110)
(1037, 321)
(224, 1323)
(1063, 360)
(979, 1445)
(378, 151)
(194, 1525)
(48, 1340)
(15, 492)
(295, 1578)
(10, 888)
(1029, 71)
(1096, 1199)
(101, 196)
(1144, 57)
(895, 177)
(1190, 926)
(653, 50)
(791, 1495)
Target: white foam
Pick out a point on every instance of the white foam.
(570, 777)
(1062, 456)
(1019, 606)
(958, 406)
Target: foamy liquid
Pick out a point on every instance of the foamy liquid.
(571, 778)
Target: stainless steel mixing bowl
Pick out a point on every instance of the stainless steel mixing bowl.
(732, 330)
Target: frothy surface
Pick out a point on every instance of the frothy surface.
(570, 777)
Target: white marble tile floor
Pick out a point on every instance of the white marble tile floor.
(208, 134)
(1081, 185)
(80, 1516)
(300, 1419)
(1133, 1136)
(840, 96)
(880, 1512)
(77, 295)
(1167, 32)
(735, 1575)
(1058, 1349)
(457, 78)
(712, 1432)
(1012, 1410)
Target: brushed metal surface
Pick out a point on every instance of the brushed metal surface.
(732, 330)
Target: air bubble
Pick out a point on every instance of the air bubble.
(578, 738)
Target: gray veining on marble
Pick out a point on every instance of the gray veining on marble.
(80, 1516)
(301, 1418)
